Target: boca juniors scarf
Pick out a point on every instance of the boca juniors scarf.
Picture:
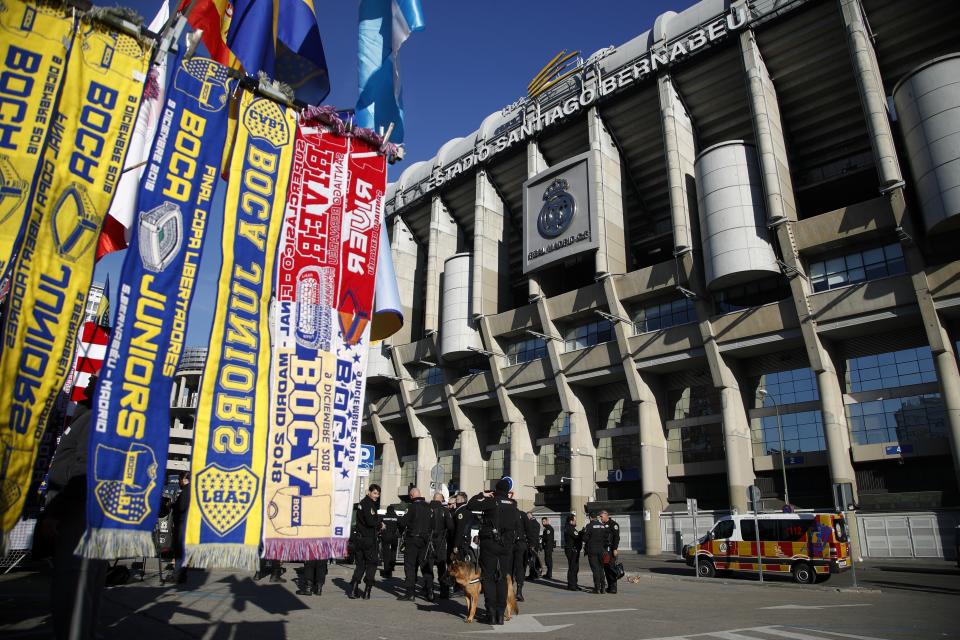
(230, 436)
(78, 174)
(35, 43)
(131, 417)
(324, 295)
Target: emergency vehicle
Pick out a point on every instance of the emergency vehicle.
(809, 546)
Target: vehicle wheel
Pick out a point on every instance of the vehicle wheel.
(705, 568)
(803, 573)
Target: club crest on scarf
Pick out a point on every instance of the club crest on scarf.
(226, 496)
(13, 189)
(75, 223)
(205, 81)
(124, 480)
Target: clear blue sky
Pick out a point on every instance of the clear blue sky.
(471, 59)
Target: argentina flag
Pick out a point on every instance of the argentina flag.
(384, 26)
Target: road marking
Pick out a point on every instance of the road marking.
(815, 606)
(529, 624)
(768, 633)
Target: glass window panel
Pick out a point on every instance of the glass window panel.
(835, 265)
(873, 256)
(893, 251)
(854, 260)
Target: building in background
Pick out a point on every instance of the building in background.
(183, 410)
(742, 224)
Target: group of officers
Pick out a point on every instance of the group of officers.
(435, 533)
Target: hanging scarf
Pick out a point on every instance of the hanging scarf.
(230, 436)
(78, 174)
(131, 418)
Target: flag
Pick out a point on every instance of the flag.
(387, 313)
(289, 50)
(91, 350)
(116, 226)
(213, 18)
(384, 26)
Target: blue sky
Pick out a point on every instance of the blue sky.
(471, 59)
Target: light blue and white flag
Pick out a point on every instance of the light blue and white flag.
(384, 26)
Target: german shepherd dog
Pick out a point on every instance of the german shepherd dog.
(467, 576)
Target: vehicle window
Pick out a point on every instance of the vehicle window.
(723, 530)
(795, 530)
(768, 531)
(747, 531)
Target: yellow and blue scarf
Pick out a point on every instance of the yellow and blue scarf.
(230, 435)
(131, 419)
(78, 173)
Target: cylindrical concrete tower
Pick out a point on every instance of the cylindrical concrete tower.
(456, 330)
(928, 108)
(736, 246)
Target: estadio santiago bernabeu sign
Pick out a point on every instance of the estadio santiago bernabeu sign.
(559, 220)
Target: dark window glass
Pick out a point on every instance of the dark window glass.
(747, 531)
(768, 531)
(795, 530)
(723, 530)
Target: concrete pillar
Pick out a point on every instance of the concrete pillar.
(835, 429)
(653, 467)
(472, 465)
(611, 256)
(426, 460)
(389, 461)
(866, 70)
(405, 249)
(536, 163)
(491, 258)
(736, 438)
(443, 244)
(949, 377)
(768, 130)
(680, 150)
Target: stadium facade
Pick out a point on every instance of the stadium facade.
(737, 229)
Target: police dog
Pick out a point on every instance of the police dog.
(467, 576)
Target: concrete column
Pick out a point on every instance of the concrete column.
(866, 70)
(611, 257)
(535, 164)
(736, 438)
(680, 150)
(768, 130)
(491, 259)
(389, 461)
(472, 465)
(835, 429)
(405, 249)
(443, 244)
(947, 373)
(426, 460)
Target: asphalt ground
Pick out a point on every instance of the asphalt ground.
(896, 600)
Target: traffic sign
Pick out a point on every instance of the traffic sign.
(365, 464)
(794, 460)
(436, 475)
(691, 507)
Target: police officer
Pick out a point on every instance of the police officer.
(547, 543)
(415, 524)
(442, 529)
(594, 537)
(365, 552)
(498, 533)
(571, 549)
(389, 538)
(613, 546)
(464, 521)
(313, 577)
(519, 568)
(533, 546)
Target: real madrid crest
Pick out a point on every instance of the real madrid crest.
(558, 209)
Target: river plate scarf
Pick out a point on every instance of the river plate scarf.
(324, 295)
(131, 414)
(80, 164)
(230, 436)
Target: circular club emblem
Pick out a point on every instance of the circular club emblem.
(558, 210)
(723, 547)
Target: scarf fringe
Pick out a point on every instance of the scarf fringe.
(300, 550)
(244, 557)
(110, 544)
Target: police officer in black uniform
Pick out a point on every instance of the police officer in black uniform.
(464, 521)
(594, 537)
(571, 549)
(365, 553)
(313, 577)
(415, 524)
(498, 534)
(533, 546)
(442, 529)
(519, 570)
(613, 546)
(547, 542)
(389, 539)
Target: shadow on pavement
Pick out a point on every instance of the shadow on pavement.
(904, 586)
(928, 571)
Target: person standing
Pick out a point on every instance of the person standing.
(612, 549)
(442, 528)
(533, 546)
(180, 507)
(519, 566)
(498, 533)
(594, 537)
(571, 549)
(415, 524)
(464, 521)
(365, 554)
(389, 538)
(547, 543)
(313, 577)
(77, 583)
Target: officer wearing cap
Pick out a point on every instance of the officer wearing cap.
(464, 521)
(365, 555)
(389, 539)
(612, 548)
(415, 524)
(498, 533)
(594, 537)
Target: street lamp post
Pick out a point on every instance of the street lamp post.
(783, 465)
